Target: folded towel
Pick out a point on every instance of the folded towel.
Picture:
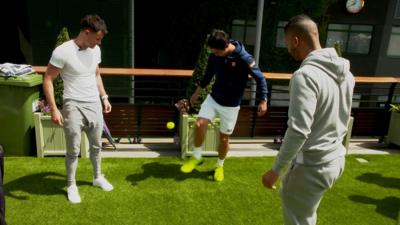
(14, 70)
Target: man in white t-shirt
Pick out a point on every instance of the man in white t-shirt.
(77, 62)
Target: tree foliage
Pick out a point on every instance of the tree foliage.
(338, 48)
(58, 84)
(198, 74)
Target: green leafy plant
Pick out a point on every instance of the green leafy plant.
(58, 84)
(395, 108)
(198, 74)
(338, 48)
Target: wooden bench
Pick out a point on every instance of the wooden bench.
(273, 123)
(123, 121)
(369, 121)
(135, 121)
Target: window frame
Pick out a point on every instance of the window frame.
(397, 33)
(280, 26)
(349, 31)
(243, 36)
(397, 10)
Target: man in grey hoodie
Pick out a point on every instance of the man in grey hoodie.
(320, 103)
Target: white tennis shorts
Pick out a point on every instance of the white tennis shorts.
(228, 115)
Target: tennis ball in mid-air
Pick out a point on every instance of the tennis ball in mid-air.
(170, 125)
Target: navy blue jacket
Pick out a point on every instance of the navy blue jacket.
(232, 75)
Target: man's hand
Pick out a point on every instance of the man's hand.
(262, 108)
(269, 179)
(195, 96)
(107, 106)
(57, 118)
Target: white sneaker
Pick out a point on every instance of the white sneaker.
(103, 183)
(73, 194)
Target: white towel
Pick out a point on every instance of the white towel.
(13, 70)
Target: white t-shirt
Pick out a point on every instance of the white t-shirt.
(78, 70)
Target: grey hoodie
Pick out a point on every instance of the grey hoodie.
(321, 93)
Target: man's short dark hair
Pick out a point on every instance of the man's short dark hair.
(218, 39)
(94, 23)
(296, 24)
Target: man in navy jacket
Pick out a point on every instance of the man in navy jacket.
(231, 65)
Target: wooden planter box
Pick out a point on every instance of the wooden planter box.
(186, 136)
(394, 129)
(50, 138)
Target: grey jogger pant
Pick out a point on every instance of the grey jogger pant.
(303, 188)
(78, 116)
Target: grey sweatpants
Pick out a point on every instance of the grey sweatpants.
(303, 188)
(78, 116)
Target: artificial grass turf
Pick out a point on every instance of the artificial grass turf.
(154, 191)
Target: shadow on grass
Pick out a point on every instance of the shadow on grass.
(388, 206)
(272, 146)
(378, 179)
(46, 183)
(374, 145)
(162, 147)
(167, 171)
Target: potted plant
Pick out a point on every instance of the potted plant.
(394, 125)
(50, 138)
(188, 115)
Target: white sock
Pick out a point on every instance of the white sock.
(220, 162)
(197, 153)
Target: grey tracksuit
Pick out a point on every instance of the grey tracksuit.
(320, 103)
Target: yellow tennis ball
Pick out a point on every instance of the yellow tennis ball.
(170, 125)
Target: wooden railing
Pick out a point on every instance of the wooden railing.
(138, 120)
(188, 73)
